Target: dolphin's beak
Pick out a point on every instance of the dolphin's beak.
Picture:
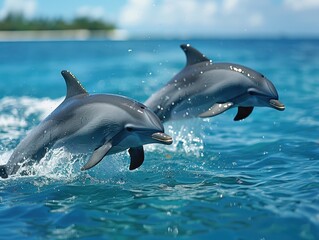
(162, 138)
(276, 104)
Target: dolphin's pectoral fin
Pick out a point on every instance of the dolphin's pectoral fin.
(216, 109)
(3, 171)
(243, 112)
(73, 86)
(137, 157)
(97, 156)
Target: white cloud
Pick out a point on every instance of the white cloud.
(25, 7)
(185, 13)
(256, 20)
(189, 18)
(167, 16)
(94, 12)
(301, 5)
(134, 12)
(230, 5)
(207, 18)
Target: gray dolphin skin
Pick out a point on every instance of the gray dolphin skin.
(103, 124)
(205, 89)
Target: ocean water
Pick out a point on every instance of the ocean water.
(220, 179)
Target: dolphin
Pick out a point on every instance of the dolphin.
(104, 124)
(205, 89)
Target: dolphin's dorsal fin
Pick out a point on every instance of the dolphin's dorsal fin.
(73, 86)
(193, 56)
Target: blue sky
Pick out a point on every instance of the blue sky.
(185, 18)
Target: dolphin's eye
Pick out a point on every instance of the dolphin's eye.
(142, 107)
(129, 129)
(262, 75)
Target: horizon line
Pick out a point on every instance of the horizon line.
(122, 35)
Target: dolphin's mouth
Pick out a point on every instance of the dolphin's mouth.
(163, 138)
(276, 104)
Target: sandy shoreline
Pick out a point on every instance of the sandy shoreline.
(46, 35)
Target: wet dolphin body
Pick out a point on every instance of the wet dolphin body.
(103, 124)
(206, 89)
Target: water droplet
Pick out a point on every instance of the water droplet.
(173, 230)
(239, 181)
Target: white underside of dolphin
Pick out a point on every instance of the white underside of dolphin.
(205, 89)
(100, 124)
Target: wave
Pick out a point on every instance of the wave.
(19, 114)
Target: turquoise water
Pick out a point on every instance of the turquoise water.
(254, 179)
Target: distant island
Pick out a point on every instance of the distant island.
(16, 27)
(16, 22)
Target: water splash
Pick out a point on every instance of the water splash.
(186, 140)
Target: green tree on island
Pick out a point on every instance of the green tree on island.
(17, 22)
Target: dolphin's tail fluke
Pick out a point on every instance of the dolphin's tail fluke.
(3, 171)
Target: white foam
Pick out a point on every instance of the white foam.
(28, 106)
(9, 121)
(4, 157)
(15, 114)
